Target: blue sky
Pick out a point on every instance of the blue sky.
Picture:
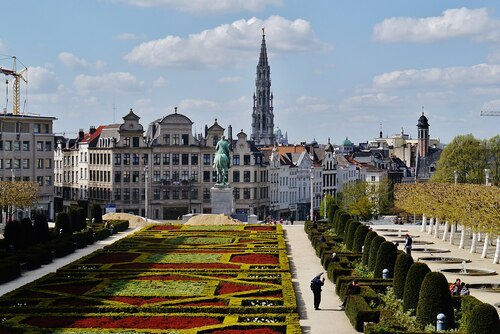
(338, 68)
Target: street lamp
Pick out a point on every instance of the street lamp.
(487, 174)
(311, 212)
(146, 192)
(324, 206)
(455, 174)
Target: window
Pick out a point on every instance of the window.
(236, 160)
(48, 180)
(236, 176)
(166, 139)
(39, 163)
(206, 193)
(8, 163)
(118, 176)
(156, 159)
(126, 176)
(145, 159)
(156, 193)
(166, 194)
(36, 128)
(156, 176)
(17, 145)
(166, 175)
(1, 166)
(236, 193)
(17, 163)
(175, 193)
(175, 175)
(185, 139)
(246, 193)
(39, 146)
(207, 159)
(126, 194)
(26, 163)
(206, 176)
(185, 175)
(135, 176)
(194, 175)
(39, 180)
(185, 159)
(135, 194)
(135, 159)
(118, 194)
(48, 163)
(118, 159)
(135, 142)
(194, 193)
(166, 159)
(246, 159)
(175, 159)
(126, 141)
(246, 176)
(126, 159)
(7, 145)
(175, 139)
(48, 146)
(1, 145)
(194, 159)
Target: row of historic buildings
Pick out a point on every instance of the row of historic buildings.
(163, 171)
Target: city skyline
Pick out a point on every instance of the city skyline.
(338, 69)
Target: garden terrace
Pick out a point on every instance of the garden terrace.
(187, 279)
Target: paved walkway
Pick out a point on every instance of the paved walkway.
(304, 266)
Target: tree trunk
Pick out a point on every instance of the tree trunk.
(436, 229)
(462, 238)
(496, 259)
(424, 225)
(452, 233)
(431, 224)
(474, 242)
(445, 233)
(485, 246)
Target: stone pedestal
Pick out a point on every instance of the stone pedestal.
(222, 200)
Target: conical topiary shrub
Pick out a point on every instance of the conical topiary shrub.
(359, 238)
(331, 210)
(336, 219)
(41, 228)
(386, 258)
(97, 213)
(62, 224)
(349, 240)
(73, 220)
(403, 264)
(414, 280)
(434, 298)
(484, 320)
(342, 223)
(366, 246)
(374, 246)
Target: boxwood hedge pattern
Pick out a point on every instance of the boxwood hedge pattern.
(166, 278)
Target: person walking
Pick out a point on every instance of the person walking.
(316, 283)
(408, 244)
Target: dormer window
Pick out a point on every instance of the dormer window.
(126, 141)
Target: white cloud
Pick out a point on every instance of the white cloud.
(228, 44)
(42, 80)
(160, 82)
(460, 22)
(480, 74)
(230, 80)
(73, 62)
(207, 6)
(127, 36)
(116, 82)
(369, 101)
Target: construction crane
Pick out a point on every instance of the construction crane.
(17, 83)
(490, 113)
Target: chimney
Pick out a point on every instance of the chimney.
(81, 134)
(92, 130)
(230, 135)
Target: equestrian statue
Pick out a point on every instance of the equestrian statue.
(221, 162)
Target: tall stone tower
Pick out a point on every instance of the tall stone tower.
(423, 136)
(262, 115)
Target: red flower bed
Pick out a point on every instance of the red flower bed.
(255, 259)
(74, 289)
(260, 228)
(168, 322)
(261, 330)
(228, 287)
(138, 301)
(165, 228)
(106, 258)
(176, 266)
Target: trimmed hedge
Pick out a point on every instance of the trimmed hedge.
(96, 213)
(434, 298)
(359, 238)
(344, 217)
(403, 264)
(374, 246)
(366, 246)
(414, 279)
(353, 226)
(358, 311)
(41, 228)
(63, 224)
(483, 320)
(9, 270)
(386, 258)
(467, 304)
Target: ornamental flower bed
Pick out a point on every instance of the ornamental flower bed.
(168, 279)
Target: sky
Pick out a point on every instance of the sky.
(338, 68)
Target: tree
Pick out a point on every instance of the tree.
(403, 264)
(386, 258)
(483, 320)
(355, 200)
(493, 158)
(97, 213)
(414, 279)
(466, 155)
(20, 194)
(434, 298)
(330, 201)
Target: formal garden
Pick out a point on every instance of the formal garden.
(398, 294)
(165, 279)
